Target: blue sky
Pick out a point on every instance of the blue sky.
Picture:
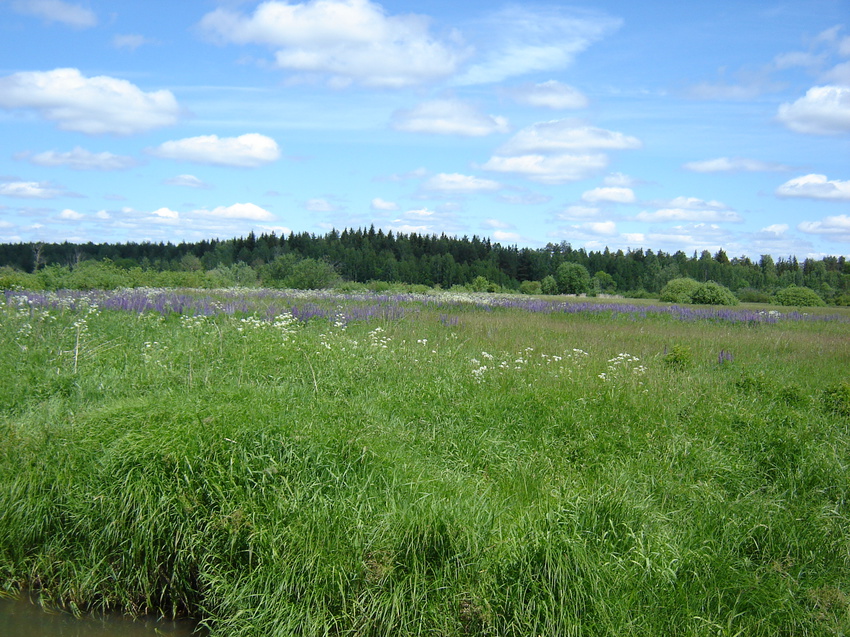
(657, 125)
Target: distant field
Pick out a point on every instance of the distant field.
(317, 464)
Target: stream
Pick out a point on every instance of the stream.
(23, 618)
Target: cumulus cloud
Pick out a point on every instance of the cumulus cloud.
(691, 209)
(565, 135)
(28, 190)
(186, 181)
(80, 159)
(350, 41)
(551, 94)
(619, 179)
(381, 204)
(522, 39)
(458, 183)
(426, 221)
(612, 194)
(557, 169)
(238, 211)
(734, 164)
(246, 151)
(576, 213)
(448, 117)
(558, 151)
(838, 227)
(599, 227)
(501, 235)
(91, 105)
(72, 15)
(166, 213)
(815, 187)
(71, 215)
(824, 110)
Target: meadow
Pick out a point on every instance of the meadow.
(295, 463)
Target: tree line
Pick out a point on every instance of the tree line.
(368, 255)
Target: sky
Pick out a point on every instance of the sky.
(608, 123)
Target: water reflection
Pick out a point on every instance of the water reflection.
(21, 618)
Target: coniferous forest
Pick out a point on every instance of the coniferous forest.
(369, 256)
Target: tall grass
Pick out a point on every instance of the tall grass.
(459, 471)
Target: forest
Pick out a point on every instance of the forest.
(367, 256)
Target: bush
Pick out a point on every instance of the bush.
(687, 290)
(573, 278)
(530, 287)
(752, 295)
(836, 399)
(549, 285)
(711, 293)
(798, 296)
(679, 290)
(678, 357)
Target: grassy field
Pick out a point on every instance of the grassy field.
(327, 465)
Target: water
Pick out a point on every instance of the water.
(22, 618)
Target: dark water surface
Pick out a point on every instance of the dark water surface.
(22, 618)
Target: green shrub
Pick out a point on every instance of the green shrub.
(798, 296)
(711, 293)
(530, 287)
(678, 357)
(679, 290)
(573, 278)
(549, 285)
(12, 279)
(836, 398)
(752, 295)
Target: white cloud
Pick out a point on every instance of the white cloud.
(555, 169)
(166, 213)
(496, 223)
(381, 204)
(448, 117)
(320, 205)
(501, 235)
(797, 58)
(73, 15)
(564, 135)
(815, 187)
(186, 181)
(612, 194)
(576, 213)
(347, 40)
(551, 94)
(558, 151)
(130, 41)
(824, 110)
(28, 190)
(605, 228)
(619, 179)
(71, 215)
(238, 211)
(518, 40)
(839, 74)
(776, 229)
(691, 209)
(94, 105)
(246, 151)
(837, 227)
(455, 182)
(80, 159)
(726, 164)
